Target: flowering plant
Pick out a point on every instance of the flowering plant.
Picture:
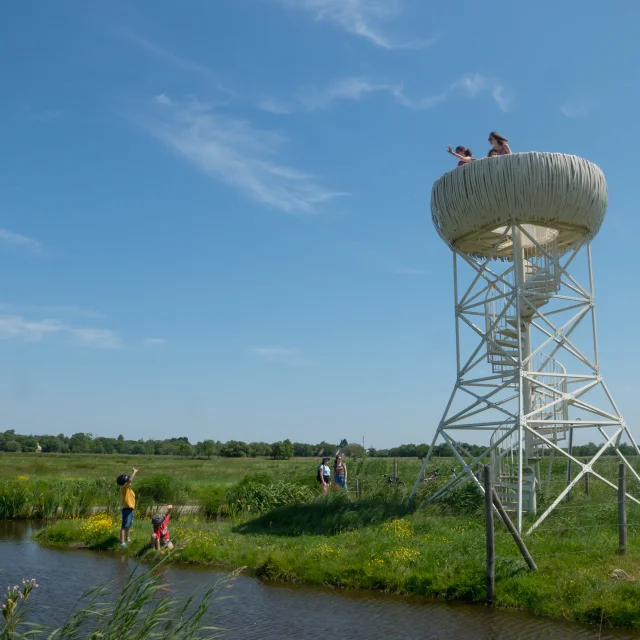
(13, 608)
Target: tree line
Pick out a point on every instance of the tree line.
(80, 443)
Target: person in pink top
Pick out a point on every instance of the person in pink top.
(499, 146)
(160, 536)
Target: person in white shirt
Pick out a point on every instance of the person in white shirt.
(324, 475)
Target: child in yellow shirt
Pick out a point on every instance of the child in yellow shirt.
(128, 505)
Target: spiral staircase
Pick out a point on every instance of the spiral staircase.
(503, 319)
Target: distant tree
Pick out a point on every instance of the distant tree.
(28, 444)
(326, 449)
(12, 446)
(138, 449)
(343, 443)
(259, 449)
(183, 448)
(422, 450)
(208, 448)
(234, 449)
(281, 450)
(353, 450)
(51, 444)
(80, 443)
(302, 450)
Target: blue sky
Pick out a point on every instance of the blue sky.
(215, 215)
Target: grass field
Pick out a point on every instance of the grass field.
(276, 523)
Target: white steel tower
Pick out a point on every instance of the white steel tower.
(527, 362)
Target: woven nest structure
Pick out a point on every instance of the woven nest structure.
(560, 198)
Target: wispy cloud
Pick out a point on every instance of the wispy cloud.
(359, 17)
(233, 151)
(409, 271)
(15, 327)
(575, 109)
(163, 53)
(354, 88)
(281, 355)
(475, 84)
(49, 310)
(10, 238)
(155, 341)
(275, 106)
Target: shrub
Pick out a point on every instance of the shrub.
(158, 489)
(255, 495)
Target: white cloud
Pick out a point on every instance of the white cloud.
(409, 271)
(275, 106)
(575, 109)
(359, 17)
(15, 327)
(49, 310)
(475, 84)
(233, 151)
(162, 53)
(162, 98)
(354, 88)
(281, 355)
(11, 238)
(155, 341)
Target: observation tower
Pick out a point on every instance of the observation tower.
(527, 363)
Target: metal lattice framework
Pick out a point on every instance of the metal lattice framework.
(526, 342)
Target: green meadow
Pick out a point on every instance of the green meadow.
(270, 517)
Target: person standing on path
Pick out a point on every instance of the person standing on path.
(128, 505)
(340, 473)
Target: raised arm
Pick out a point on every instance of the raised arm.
(133, 474)
(458, 155)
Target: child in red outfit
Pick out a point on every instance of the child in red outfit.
(160, 536)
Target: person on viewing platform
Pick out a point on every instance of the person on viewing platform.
(340, 473)
(160, 536)
(324, 474)
(128, 505)
(499, 145)
(463, 154)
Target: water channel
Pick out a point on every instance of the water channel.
(275, 612)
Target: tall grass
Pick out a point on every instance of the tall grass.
(20, 499)
(142, 609)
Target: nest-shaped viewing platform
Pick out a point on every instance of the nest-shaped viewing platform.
(560, 198)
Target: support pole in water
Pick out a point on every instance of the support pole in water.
(622, 510)
(514, 532)
(491, 550)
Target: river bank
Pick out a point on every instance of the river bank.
(273, 610)
(374, 545)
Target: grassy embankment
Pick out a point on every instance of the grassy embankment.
(374, 543)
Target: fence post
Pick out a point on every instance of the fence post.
(491, 550)
(586, 484)
(357, 488)
(622, 510)
(395, 468)
(568, 496)
(424, 473)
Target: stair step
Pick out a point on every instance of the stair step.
(507, 332)
(507, 343)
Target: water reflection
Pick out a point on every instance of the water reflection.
(280, 612)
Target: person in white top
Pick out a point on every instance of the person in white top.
(324, 475)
